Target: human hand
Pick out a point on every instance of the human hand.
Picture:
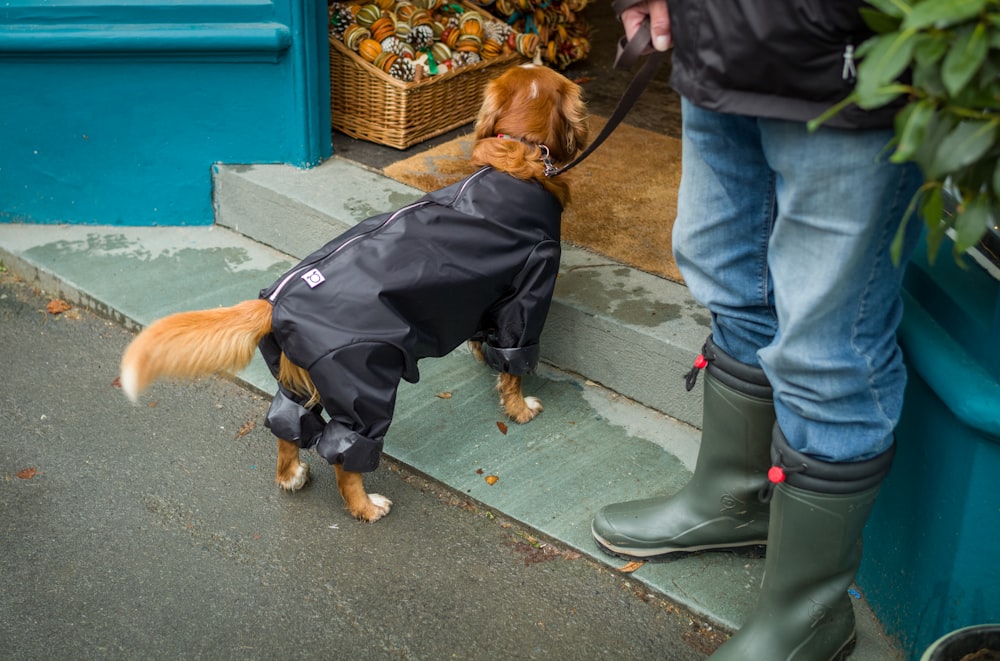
(659, 22)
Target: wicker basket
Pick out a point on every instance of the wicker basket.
(367, 103)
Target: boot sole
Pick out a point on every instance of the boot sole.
(668, 553)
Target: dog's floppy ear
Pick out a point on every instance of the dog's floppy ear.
(494, 100)
(573, 117)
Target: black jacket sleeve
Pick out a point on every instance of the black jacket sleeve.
(358, 385)
(517, 320)
(291, 421)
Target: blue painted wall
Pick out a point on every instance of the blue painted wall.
(113, 111)
(932, 561)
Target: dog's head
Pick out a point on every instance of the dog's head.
(536, 106)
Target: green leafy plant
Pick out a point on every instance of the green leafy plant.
(943, 57)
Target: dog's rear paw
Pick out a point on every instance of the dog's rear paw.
(528, 409)
(298, 478)
(376, 507)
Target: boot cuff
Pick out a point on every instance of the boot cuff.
(806, 472)
(747, 379)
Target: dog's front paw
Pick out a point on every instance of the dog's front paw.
(296, 479)
(525, 410)
(376, 507)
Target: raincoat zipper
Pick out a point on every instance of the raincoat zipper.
(304, 267)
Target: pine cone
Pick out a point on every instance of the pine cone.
(464, 59)
(421, 36)
(340, 18)
(403, 69)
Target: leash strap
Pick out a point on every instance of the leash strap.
(629, 51)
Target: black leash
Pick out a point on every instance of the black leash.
(628, 52)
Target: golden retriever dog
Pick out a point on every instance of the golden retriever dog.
(475, 261)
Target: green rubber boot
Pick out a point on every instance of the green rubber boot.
(719, 507)
(818, 511)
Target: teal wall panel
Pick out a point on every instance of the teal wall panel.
(114, 113)
(932, 561)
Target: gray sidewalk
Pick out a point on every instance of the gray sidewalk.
(631, 436)
(157, 532)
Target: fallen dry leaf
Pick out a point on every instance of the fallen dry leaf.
(246, 428)
(26, 474)
(479, 471)
(491, 479)
(152, 405)
(444, 395)
(502, 427)
(630, 567)
(57, 306)
(117, 383)
(535, 551)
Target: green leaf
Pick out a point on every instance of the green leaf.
(879, 22)
(996, 179)
(976, 177)
(932, 205)
(911, 135)
(963, 145)
(928, 80)
(894, 8)
(988, 82)
(930, 48)
(975, 97)
(964, 58)
(934, 237)
(942, 13)
(901, 118)
(882, 96)
(939, 126)
(889, 55)
(865, 46)
(971, 223)
(896, 248)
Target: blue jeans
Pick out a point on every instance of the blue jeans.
(784, 235)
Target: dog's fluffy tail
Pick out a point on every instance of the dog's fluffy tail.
(190, 345)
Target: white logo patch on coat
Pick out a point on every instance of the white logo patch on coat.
(314, 278)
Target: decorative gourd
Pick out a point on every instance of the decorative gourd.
(369, 49)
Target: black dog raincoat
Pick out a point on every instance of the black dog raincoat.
(476, 260)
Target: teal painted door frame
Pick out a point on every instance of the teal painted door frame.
(114, 111)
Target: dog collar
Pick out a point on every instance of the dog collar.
(550, 169)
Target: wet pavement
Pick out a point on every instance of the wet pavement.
(156, 531)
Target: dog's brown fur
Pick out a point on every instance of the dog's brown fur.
(533, 104)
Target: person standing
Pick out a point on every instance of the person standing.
(784, 235)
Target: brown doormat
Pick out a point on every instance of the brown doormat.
(624, 195)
